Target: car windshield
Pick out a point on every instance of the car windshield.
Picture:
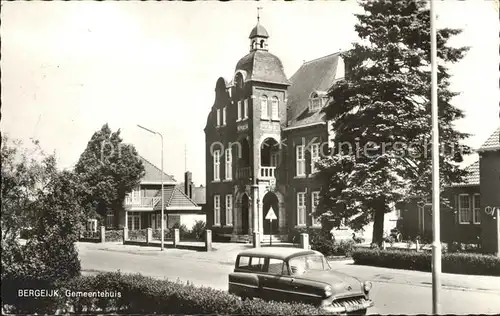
(303, 264)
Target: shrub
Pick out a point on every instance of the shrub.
(324, 242)
(198, 230)
(90, 234)
(136, 294)
(183, 231)
(137, 234)
(463, 263)
(114, 235)
(157, 234)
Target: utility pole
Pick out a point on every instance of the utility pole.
(436, 245)
(162, 200)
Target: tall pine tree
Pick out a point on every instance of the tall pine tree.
(381, 115)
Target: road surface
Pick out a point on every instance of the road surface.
(391, 295)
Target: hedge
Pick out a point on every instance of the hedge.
(324, 243)
(139, 294)
(461, 263)
(114, 235)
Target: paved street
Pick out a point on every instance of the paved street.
(395, 291)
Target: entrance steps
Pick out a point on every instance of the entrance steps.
(273, 238)
(276, 239)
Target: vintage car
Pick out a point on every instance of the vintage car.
(297, 275)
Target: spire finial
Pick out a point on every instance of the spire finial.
(258, 13)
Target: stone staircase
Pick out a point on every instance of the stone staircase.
(274, 238)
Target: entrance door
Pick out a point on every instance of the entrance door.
(270, 199)
(244, 214)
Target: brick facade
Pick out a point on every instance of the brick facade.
(264, 147)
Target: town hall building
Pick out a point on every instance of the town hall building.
(264, 134)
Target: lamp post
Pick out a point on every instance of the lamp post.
(162, 201)
(436, 245)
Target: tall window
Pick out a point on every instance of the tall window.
(218, 117)
(300, 160)
(314, 157)
(264, 109)
(156, 221)
(245, 109)
(314, 203)
(229, 165)
(133, 221)
(224, 116)
(239, 110)
(301, 208)
(275, 108)
(217, 209)
(464, 209)
(314, 102)
(110, 219)
(229, 209)
(217, 165)
(477, 208)
(136, 196)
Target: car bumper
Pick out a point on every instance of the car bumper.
(347, 308)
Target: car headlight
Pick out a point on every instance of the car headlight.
(328, 291)
(367, 286)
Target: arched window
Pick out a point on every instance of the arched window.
(314, 102)
(264, 109)
(262, 43)
(275, 108)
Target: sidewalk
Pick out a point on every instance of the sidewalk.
(419, 278)
(225, 254)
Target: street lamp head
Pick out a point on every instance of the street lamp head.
(146, 129)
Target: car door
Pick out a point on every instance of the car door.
(276, 281)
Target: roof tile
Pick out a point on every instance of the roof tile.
(493, 142)
(315, 75)
(174, 197)
(153, 173)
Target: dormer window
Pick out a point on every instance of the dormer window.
(317, 100)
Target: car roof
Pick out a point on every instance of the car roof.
(282, 253)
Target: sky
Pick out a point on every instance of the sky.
(70, 67)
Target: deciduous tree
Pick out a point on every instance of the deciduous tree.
(109, 170)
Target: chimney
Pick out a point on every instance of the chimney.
(188, 184)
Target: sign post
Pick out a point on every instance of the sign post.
(271, 216)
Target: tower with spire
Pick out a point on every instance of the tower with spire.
(258, 36)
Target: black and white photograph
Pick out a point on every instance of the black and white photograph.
(250, 157)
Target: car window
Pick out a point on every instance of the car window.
(277, 266)
(244, 262)
(256, 264)
(302, 264)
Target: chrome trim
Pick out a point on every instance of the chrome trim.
(245, 285)
(365, 304)
(292, 292)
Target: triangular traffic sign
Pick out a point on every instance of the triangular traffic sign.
(271, 215)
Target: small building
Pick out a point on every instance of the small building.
(489, 168)
(142, 206)
(195, 193)
(464, 207)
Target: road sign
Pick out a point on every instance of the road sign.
(271, 215)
